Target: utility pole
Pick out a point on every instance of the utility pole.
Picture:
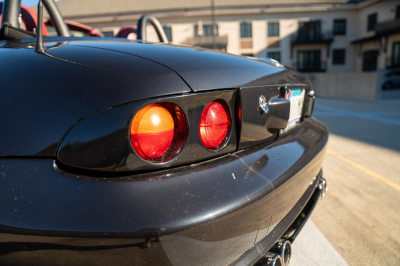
(214, 31)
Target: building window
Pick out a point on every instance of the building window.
(339, 56)
(372, 19)
(309, 61)
(398, 11)
(273, 29)
(339, 27)
(310, 30)
(108, 33)
(396, 55)
(245, 30)
(274, 55)
(168, 33)
(207, 30)
(370, 60)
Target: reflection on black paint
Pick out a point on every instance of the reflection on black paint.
(11, 247)
(202, 203)
(255, 167)
(92, 153)
(48, 96)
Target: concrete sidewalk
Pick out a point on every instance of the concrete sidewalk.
(311, 248)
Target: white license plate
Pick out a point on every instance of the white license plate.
(296, 97)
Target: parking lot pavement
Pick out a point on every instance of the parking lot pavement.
(311, 248)
(360, 216)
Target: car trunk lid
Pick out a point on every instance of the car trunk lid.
(42, 96)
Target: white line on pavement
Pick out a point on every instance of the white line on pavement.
(312, 248)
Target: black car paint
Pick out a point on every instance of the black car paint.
(205, 213)
(41, 97)
(76, 85)
(257, 125)
(204, 69)
(217, 206)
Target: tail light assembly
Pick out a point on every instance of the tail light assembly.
(153, 134)
(177, 130)
(215, 125)
(158, 132)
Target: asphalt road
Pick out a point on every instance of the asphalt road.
(358, 222)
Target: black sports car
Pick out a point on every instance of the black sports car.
(114, 152)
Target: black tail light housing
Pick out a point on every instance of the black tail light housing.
(102, 141)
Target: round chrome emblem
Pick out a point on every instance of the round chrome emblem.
(263, 103)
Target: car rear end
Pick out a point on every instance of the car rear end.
(214, 176)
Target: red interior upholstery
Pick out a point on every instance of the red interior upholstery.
(72, 25)
(129, 32)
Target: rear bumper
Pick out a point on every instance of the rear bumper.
(290, 227)
(205, 214)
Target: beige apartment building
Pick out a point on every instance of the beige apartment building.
(312, 36)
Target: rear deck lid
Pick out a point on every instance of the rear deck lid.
(41, 96)
(205, 69)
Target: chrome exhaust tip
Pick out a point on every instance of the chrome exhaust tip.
(284, 249)
(323, 186)
(270, 259)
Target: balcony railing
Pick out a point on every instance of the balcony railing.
(319, 66)
(306, 37)
(207, 41)
(384, 28)
(388, 27)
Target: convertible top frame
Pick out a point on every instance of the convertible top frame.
(12, 9)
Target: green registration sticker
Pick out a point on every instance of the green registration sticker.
(296, 97)
(293, 93)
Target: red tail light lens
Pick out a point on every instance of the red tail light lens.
(240, 113)
(158, 132)
(215, 125)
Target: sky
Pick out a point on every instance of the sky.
(29, 2)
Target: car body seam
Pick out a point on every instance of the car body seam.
(101, 48)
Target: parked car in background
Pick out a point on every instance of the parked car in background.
(391, 79)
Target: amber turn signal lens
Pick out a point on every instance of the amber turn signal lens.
(152, 131)
(159, 132)
(215, 125)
